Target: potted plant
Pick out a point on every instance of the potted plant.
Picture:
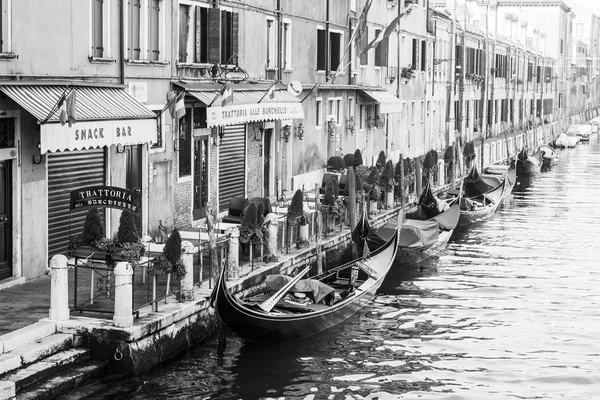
(170, 260)
(349, 160)
(374, 192)
(331, 204)
(381, 160)
(248, 226)
(128, 245)
(358, 160)
(296, 216)
(386, 182)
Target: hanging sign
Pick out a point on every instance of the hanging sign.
(244, 113)
(106, 197)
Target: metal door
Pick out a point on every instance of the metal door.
(200, 177)
(5, 221)
(133, 178)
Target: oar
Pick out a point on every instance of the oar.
(268, 304)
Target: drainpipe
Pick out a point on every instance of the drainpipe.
(327, 69)
(121, 44)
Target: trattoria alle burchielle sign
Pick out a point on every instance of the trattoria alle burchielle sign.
(106, 197)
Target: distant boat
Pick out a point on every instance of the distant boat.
(294, 308)
(425, 232)
(528, 164)
(566, 140)
(482, 195)
(547, 154)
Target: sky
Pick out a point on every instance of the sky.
(591, 5)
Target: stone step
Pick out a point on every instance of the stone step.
(46, 368)
(31, 352)
(26, 335)
(64, 381)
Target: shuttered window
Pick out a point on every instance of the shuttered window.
(214, 35)
(232, 164)
(153, 30)
(184, 17)
(381, 51)
(335, 47)
(97, 28)
(423, 55)
(364, 57)
(133, 26)
(69, 171)
(185, 143)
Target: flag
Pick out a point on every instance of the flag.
(71, 105)
(361, 25)
(270, 92)
(390, 28)
(62, 110)
(180, 106)
(226, 93)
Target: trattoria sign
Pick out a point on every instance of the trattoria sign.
(106, 197)
(244, 113)
(93, 134)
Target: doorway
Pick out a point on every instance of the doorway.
(5, 220)
(133, 178)
(268, 135)
(200, 177)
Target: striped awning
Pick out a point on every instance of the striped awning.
(104, 116)
(388, 103)
(245, 106)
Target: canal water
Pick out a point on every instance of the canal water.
(511, 310)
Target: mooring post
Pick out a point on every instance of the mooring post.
(123, 317)
(59, 289)
(187, 281)
(418, 179)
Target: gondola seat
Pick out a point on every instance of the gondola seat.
(236, 209)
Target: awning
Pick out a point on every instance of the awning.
(388, 103)
(104, 116)
(246, 107)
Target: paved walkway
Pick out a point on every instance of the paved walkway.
(25, 304)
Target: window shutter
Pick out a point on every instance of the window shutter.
(97, 35)
(423, 55)
(364, 57)
(153, 31)
(321, 48)
(384, 51)
(415, 45)
(198, 31)
(235, 27)
(214, 35)
(184, 16)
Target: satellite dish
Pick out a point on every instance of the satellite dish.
(294, 88)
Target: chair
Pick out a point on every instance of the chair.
(328, 176)
(268, 208)
(236, 208)
(343, 185)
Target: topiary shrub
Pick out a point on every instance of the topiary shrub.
(380, 159)
(93, 229)
(329, 196)
(172, 249)
(358, 160)
(373, 177)
(248, 223)
(386, 180)
(336, 163)
(349, 160)
(127, 232)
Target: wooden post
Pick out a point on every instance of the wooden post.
(233, 259)
(352, 206)
(59, 288)
(418, 179)
(319, 250)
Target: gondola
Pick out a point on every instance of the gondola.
(482, 195)
(528, 164)
(425, 232)
(547, 154)
(294, 308)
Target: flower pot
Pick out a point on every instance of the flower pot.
(88, 252)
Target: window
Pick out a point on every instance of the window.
(335, 47)
(159, 130)
(412, 112)
(364, 40)
(5, 26)
(423, 55)
(133, 29)
(7, 132)
(381, 51)
(319, 113)
(154, 30)
(361, 116)
(561, 46)
(100, 15)
(286, 45)
(422, 111)
(271, 43)
(338, 111)
(207, 35)
(415, 54)
(350, 112)
(185, 143)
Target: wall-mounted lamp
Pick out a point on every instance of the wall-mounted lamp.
(379, 122)
(331, 127)
(351, 125)
(175, 144)
(282, 200)
(217, 133)
(369, 122)
(120, 148)
(299, 131)
(285, 132)
(38, 160)
(258, 130)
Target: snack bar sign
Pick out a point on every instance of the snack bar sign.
(244, 113)
(106, 197)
